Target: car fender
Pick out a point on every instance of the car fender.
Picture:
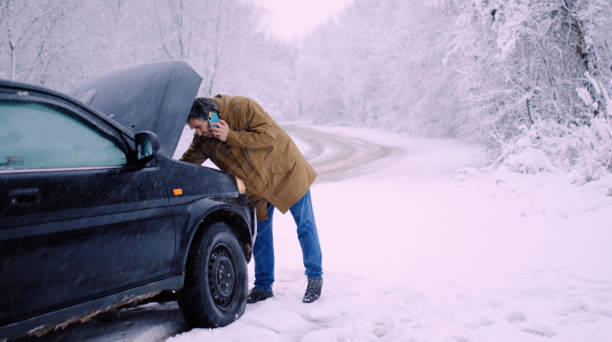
(216, 209)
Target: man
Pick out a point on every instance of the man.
(250, 145)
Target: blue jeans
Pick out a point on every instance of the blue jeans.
(263, 251)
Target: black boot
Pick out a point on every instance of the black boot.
(256, 295)
(313, 290)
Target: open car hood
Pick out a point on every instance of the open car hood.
(153, 97)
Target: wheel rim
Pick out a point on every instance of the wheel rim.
(221, 276)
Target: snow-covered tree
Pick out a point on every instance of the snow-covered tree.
(60, 43)
(521, 77)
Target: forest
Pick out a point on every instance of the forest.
(528, 80)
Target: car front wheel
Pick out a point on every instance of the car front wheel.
(215, 290)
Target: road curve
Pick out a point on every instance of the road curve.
(337, 157)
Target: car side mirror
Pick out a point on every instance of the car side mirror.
(147, 146)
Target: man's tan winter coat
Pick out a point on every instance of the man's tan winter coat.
(257, 151)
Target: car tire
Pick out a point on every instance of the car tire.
(216, 279)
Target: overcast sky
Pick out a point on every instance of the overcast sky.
(288, 19)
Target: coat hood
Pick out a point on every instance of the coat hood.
(153, 97)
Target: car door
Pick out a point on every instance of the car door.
(76, 220)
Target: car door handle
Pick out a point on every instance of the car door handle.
(24, 196)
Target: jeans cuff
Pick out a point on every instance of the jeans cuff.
(267, 288)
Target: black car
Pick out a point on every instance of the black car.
(94, 215)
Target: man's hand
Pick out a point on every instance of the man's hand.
(220, 132)
(241, 186)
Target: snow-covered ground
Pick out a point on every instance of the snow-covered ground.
(424, 247)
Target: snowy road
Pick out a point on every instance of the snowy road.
(420, 246)
(337, 157)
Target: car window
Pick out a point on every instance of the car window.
(40, 136)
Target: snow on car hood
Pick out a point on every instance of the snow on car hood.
(153, 97)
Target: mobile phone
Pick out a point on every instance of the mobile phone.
(213, 119)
